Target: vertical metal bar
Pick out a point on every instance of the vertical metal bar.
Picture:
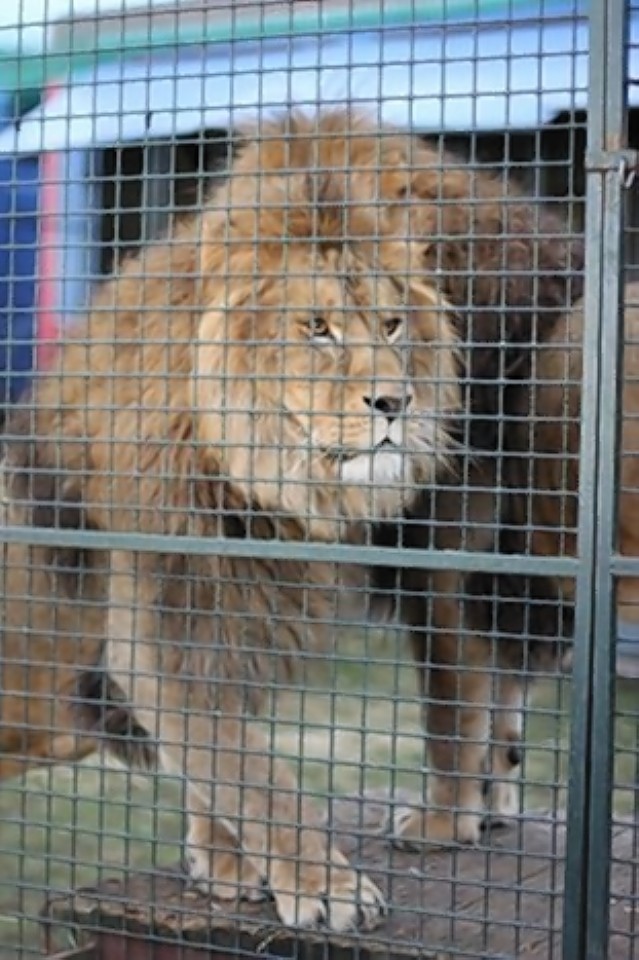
(589, 802)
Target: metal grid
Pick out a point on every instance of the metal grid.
(298, 519)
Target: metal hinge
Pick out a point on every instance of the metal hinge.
(624, 162)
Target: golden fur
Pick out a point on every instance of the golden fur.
(289, 404)
(291, 365)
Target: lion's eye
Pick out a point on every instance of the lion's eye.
(392, 327)
(320, 330)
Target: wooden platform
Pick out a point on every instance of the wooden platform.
(503, 900)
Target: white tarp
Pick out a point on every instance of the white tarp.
(490, 76)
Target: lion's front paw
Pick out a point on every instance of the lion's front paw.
(224, 874)
(503, 799)
(311, 895)
(412, 828)
(502, 789)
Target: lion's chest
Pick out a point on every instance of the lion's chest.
(233, 607)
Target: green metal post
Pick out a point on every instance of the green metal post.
(585, 928)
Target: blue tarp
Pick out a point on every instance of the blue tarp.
(19, 191)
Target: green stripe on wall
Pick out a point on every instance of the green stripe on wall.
(29, 71)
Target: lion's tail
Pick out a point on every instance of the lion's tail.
(102, 710)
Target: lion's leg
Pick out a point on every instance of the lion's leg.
(238, 793)
(256, 799)
(457, 725)
(246, 800)
(46, 638)
(188, 742)
(505, 753)
(455, 680)
(214, 857)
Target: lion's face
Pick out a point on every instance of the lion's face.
(324, 390)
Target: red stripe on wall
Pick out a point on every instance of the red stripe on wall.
(48, 319)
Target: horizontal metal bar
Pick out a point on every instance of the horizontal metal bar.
(624, 566)
(368, 555)
(598, 161)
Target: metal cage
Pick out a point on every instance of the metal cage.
(319, 480)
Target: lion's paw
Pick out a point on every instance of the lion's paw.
(336, 898)
(503, 802)
(225, 876)
(412, 828)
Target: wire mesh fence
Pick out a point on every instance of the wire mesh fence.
(319, 480)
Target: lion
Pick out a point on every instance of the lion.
(355, 341)
(254, 388)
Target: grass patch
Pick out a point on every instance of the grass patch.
(359, 730)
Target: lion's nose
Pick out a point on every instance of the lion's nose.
(389, 406)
